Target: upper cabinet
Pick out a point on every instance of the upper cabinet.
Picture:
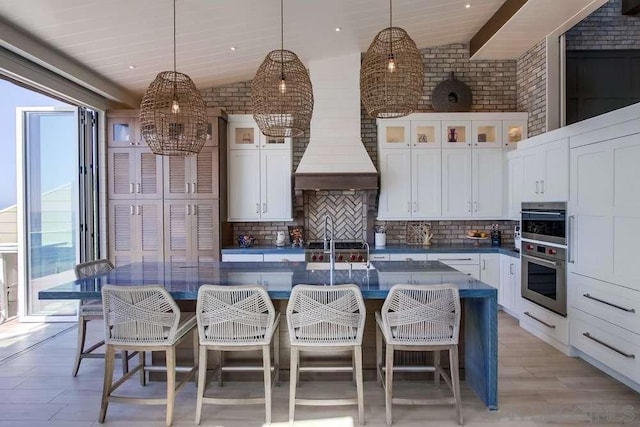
(545, 171)
(123, 129)
(513, 131)
(259, 173)
(444, 165)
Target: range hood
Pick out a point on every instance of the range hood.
(335, 158)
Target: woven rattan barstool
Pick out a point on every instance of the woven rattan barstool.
(144, 318)
(419, 318)
(237, 318)
(92, 310)
(328, 318)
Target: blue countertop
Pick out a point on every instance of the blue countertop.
(183, 280)
(388, 249)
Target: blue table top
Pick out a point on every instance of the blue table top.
(182, 280)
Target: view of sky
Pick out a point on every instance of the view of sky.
(12, 96)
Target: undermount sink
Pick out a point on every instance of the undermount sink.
(339, 266)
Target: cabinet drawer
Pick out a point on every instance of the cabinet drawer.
(242, 258)
(454, 258)
(607, 301)
(379, 257)
(408, 257)
(284, 257)
(540, 319)
(609, 344)
(469, 270)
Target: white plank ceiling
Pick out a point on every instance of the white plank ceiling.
(109, 36)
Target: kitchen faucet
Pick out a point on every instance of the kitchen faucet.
(329, 246)
(365, 245)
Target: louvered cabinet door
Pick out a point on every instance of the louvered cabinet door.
(149, 174)
(149, 230)
(204, 174)
(177, 226)
(122, 173)
(204, 231)
(177, 182)
(122, 239)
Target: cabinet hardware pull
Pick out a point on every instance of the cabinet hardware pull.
(610, 347)
(415, 206)
(408, 207)
(186, 187)
(570, 259)
(137, 187)
(131, 187)
(511, 269)
(475, 204)
(409, 259)
(194, 209)
(541, 321)
(188, 209)
(628, 310)
(130, 209)
(484, 264)
(537, 187)
(137, 209)
(257, 208)
(454, 259)
(194, 188)
(469, 210)
(544, 261)
(542, 213)
(264, 208)
(542, 187)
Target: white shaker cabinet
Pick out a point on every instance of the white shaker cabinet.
(509, 291)
(395, 184)
(515, 180)
(545, 172)
(456, 183)
(490, 270)
(259, 173)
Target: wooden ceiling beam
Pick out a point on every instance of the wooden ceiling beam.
(493, 25)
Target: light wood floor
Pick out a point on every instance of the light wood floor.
(538, 386)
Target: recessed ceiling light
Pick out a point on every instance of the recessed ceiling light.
(131, 67)
(467, 5)
(233, 48)
(338, 29)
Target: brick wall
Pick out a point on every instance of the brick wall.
(494, 88)
(532, 86)
(606, 28)
(449, 232)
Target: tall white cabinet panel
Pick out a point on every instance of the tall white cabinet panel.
(545, 171)
(259, 173)
(487, 178)
(515, 184)
(426, 183)
(456, 183)
(275, 182)
(395, 184)
(244, 185)
(490, 269)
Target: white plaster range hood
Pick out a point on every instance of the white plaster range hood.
(335, 158)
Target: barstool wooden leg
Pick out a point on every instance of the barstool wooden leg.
(378, 354)
(202, 382)
(82, 333)
(292, 382)
(124, 355)
(388, 383)
(196, 350)
(436, 365)
(171, 382)
(455, 381)
(359, 385)
(276, 355)
(108, 381)
(266, 366)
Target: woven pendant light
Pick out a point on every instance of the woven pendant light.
(281, 93)
(391, 74)
(173, 116)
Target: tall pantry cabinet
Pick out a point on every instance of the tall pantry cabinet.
(164, 208)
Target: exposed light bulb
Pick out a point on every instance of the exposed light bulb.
(468, 5)
(175, 107)
(283, 86)
(391, 65)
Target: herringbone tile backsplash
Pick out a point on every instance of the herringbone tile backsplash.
(347, 208)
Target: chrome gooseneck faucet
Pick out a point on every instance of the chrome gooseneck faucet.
(329, 246)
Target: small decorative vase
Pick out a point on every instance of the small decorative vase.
(380, 240)
(453, 136)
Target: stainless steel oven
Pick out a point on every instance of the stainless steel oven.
(544, 222)
(544, 276)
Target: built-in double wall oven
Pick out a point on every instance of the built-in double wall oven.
(544, 255)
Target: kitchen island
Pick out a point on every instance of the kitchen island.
(480, 305)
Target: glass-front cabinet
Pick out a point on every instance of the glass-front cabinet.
(244, 135)
(123, 132)
(394, 134)
(425, 134)
(487, 133)
(456, 133)
(513, 131)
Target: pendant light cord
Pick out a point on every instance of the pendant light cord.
(282, 39)
(390, 26)
(175, 77)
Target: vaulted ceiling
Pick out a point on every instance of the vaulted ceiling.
(129, 41)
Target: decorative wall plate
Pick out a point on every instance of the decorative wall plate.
(451, 95)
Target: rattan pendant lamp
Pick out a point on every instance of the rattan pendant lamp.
(281, 92)
(173, 116)
(391, 74)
